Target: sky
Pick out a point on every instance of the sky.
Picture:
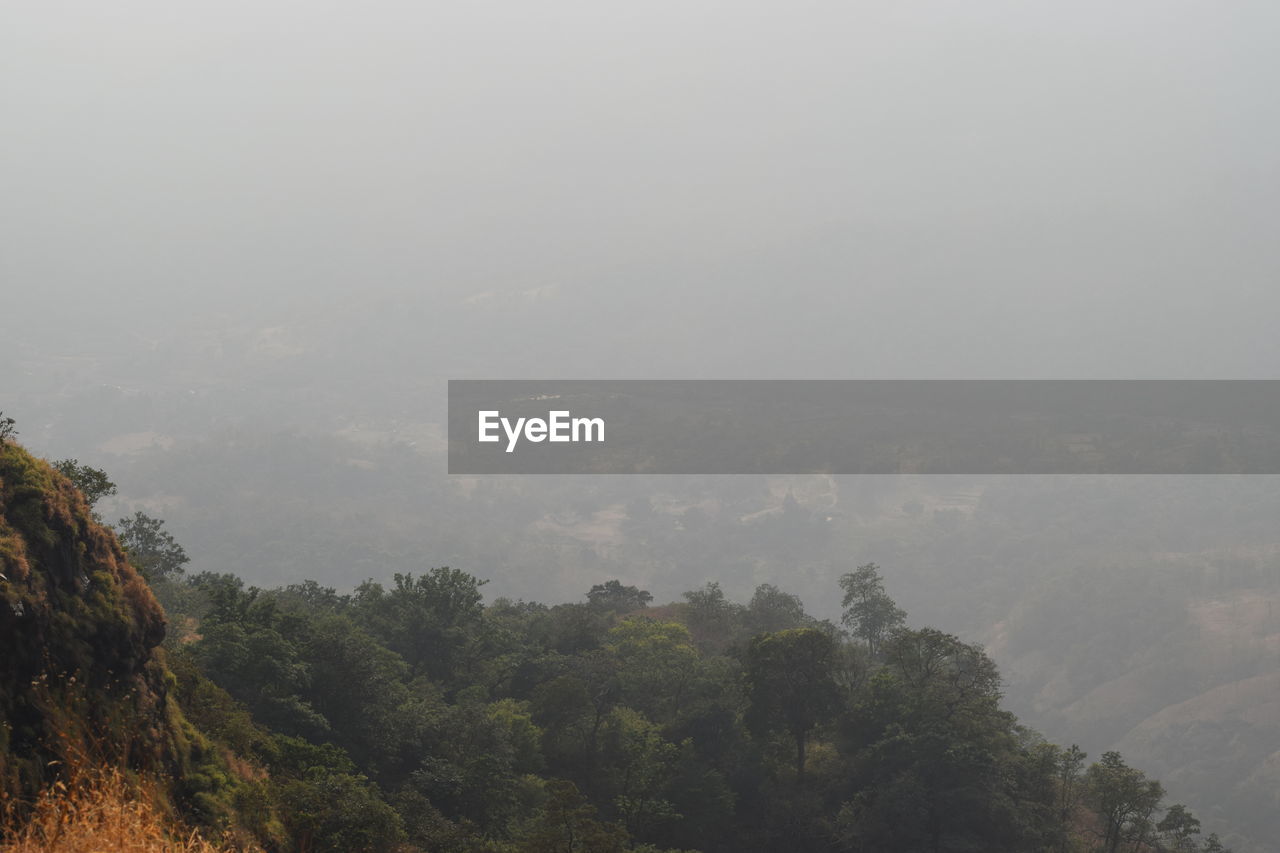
(667, 189)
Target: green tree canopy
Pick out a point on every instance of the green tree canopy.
(151, 549)
(429, 620)
(1124, 799)
(93, 483)
(615, 597)
(868, 611)
(790, 685)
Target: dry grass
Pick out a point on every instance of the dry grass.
(98, 812)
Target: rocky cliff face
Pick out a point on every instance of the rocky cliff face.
(80, 674)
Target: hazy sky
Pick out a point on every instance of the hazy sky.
(870, 189)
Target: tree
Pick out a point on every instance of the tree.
(151, 549)
(615, 597)
(93, 483)
(1177, 826)
(1070, 763)
(6, 428)
(868, 610)
(945, 678)
(1213, 844)
(656, 661)
(643, 764)
(428, 619)
(790, 685)
(1124, 799)
(246, 647)
(569, 824)
(711, 617)
(939, 766)
(771, 609)
(339, 812)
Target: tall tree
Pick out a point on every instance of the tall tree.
(868, 610)
(656, 662)
(939, 766)
(1070, 763)
(1124, 799)
(711, 617)
(771, 609)
(151, 549)
(1177, 827)
(790, 685)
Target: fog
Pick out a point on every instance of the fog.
(707, 190)
(245, 244)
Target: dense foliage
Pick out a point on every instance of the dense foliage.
(414, 714)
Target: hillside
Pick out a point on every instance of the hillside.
(1225, 738)
(80, 630)
(86, 697)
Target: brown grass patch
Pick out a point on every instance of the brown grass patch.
(98, 811)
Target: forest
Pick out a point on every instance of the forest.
(412, 715)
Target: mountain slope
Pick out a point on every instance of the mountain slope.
(83, 682)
